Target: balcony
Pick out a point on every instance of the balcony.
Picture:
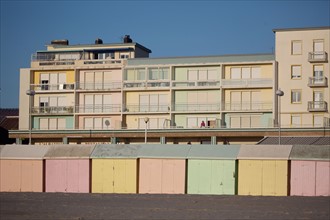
(196, 83)
(318, 82)
(247, 106)
(317, 106)
(52, 110)
(98, 108)
(209, 107)
(146, 108)
(74, 58)
(146, 85)
(52, 87)
(320, 56)
(247, 83)
(99, 86)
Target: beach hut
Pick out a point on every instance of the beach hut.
(114, 168)
(67, 168)
(162, 168)
(21, 168)
(212, 169)
(310, 170)
(263, 170)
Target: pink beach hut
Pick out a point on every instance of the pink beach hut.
(310, 170)
(68, 168)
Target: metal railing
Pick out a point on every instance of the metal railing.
(197, 107)
(98, 108)
(318, 56)
(159, 84)
(195, 83)
(52, 110)
(146, 108)
(99, 86)
(248, 106)
(52, 87)
(317, 81)
(317, 106)
(260, 82)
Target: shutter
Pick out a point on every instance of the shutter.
(235, 73)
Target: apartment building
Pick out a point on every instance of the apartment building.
(101, 93)
(302, 55)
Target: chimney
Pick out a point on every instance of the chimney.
(127, 39)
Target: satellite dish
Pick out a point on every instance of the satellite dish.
(107, 123)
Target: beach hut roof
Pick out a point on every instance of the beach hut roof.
(213, 152)
(23, 151)
(69, 151)
(273, 152)
(115, 151)
(310, 152)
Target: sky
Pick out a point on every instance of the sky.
(169, 28)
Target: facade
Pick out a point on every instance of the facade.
(303, 75)
(104, 93)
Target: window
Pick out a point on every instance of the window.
(153, 102)
(158, 73)
(295, 120)
(245, 72)
(318, 120)
(103, 56)
(318, 74)
(296, 96)
(135, 74)
(318, 45)
(52, 123)
(124, 56)
(295, 72)
(100, 123)
(296, 47)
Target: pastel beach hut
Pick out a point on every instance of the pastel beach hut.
(162, 169)
(21, 168)
(67, 168)
(310, 170)
(212, 169)
(114, 168)
(263, 170)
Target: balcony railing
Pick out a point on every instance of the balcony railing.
(197, 107)
(320, 56)
(134, 85)
(196, 83)
(52, 87)
(53, 59)
(52, 110)
(247, 106)
(99, 86)
(147, 108)
(98, 108)
(261, 82)
(317, 106)
(318, 82)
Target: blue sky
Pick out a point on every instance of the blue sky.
(168, 28)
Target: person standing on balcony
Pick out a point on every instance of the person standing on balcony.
(202, 124)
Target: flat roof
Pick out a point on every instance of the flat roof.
(213, 152)
(68, 151)
(89, 46)
(235, 58)
(301, 29)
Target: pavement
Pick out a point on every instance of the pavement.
(159, 206)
